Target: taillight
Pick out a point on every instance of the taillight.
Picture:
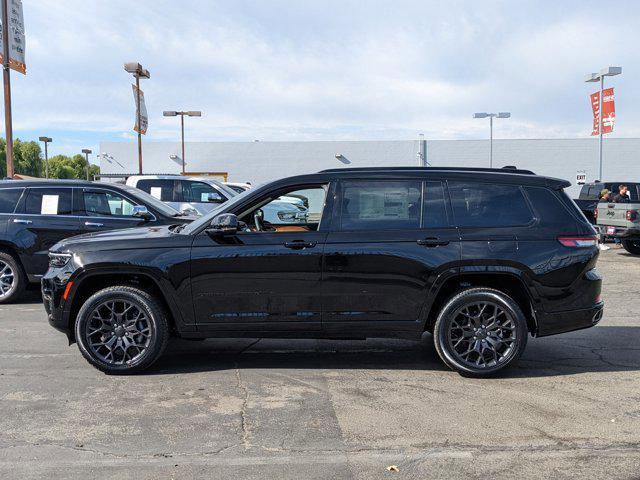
(595, 213)
(632, 215)
(579, 242)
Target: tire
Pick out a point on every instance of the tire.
(13, 281)
(113, 325)
(458, 329)
(632, 246)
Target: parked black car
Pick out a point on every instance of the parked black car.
(589, 196)
(479, 257)
(35, 215)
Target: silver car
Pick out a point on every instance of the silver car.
(200, 195)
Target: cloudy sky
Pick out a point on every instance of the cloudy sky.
(323, 70)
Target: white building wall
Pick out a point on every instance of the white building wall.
(260, 162)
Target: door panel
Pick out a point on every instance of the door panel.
(393, 241)
(44, 219)
(258, 280)
(383, 276)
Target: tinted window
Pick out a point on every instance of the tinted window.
(435, 212)
(9, 198)
(200, 192)
(549, 209)
(163, 190)
(98, 204)
(49, 201)
(380, 205)
(488, 205)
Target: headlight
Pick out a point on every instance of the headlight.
(286, 215)
(58, 260)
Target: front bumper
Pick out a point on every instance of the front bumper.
(53, 288)
(561, 322)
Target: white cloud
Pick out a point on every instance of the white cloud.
(278, 70)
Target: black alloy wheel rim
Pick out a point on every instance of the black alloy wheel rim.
(482, 335)
(118, 332)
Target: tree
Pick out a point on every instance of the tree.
(28, 160)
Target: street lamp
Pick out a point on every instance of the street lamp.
(599, 77)
(86, 152)
(491, 116)
(46, 141)
(138, 72)
(191, 113)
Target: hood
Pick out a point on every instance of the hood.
(141, 237)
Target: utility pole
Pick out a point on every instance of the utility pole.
(138, 73)
(173, 113)
(46, 141)
(86, 152)
(599, 77)
(7, 89)
(491, 116)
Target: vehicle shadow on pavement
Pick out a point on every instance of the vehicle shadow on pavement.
(600, 349)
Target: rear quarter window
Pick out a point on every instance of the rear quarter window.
(549, 208)
(489, 205)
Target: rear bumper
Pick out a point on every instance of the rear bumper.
(619, 232)
(561, 322)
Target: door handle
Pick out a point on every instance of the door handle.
(299, 244)
(432, 242)
(24, 222)
(93, 224)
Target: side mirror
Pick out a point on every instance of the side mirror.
(223, 224)
(141, 211)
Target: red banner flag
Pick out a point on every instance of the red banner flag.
(608, 111)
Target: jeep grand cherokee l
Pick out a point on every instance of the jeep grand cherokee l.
(480, 258)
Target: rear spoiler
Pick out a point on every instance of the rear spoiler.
(557, 183)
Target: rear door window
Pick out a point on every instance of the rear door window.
(489, 205)
(48, 201)
(381, 205)
(9, 198)
(163, 190)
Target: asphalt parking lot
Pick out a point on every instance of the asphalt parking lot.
(320, 409)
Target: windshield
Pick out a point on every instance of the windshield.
(144, 197)
(205, 219)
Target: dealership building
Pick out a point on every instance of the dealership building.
(258, 162)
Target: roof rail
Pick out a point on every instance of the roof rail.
(506, 169)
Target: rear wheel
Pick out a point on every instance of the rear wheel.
(480, 331)
(632, 246)
(12, 278)
(122, 330)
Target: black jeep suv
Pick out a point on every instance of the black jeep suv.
(480, 258)
(35, 215)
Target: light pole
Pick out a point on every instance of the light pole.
(191, 113)
(8, 125)
(599, 77)
(491, 115)
(46, 141)
(138, 72)
(86, 152)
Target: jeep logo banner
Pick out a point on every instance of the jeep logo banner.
(608, 111)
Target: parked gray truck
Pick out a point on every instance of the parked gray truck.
(620, 220)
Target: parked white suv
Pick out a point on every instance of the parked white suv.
(200, 195)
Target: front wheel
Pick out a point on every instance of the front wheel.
(121, 330)
(632, 246)
(480, 331)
